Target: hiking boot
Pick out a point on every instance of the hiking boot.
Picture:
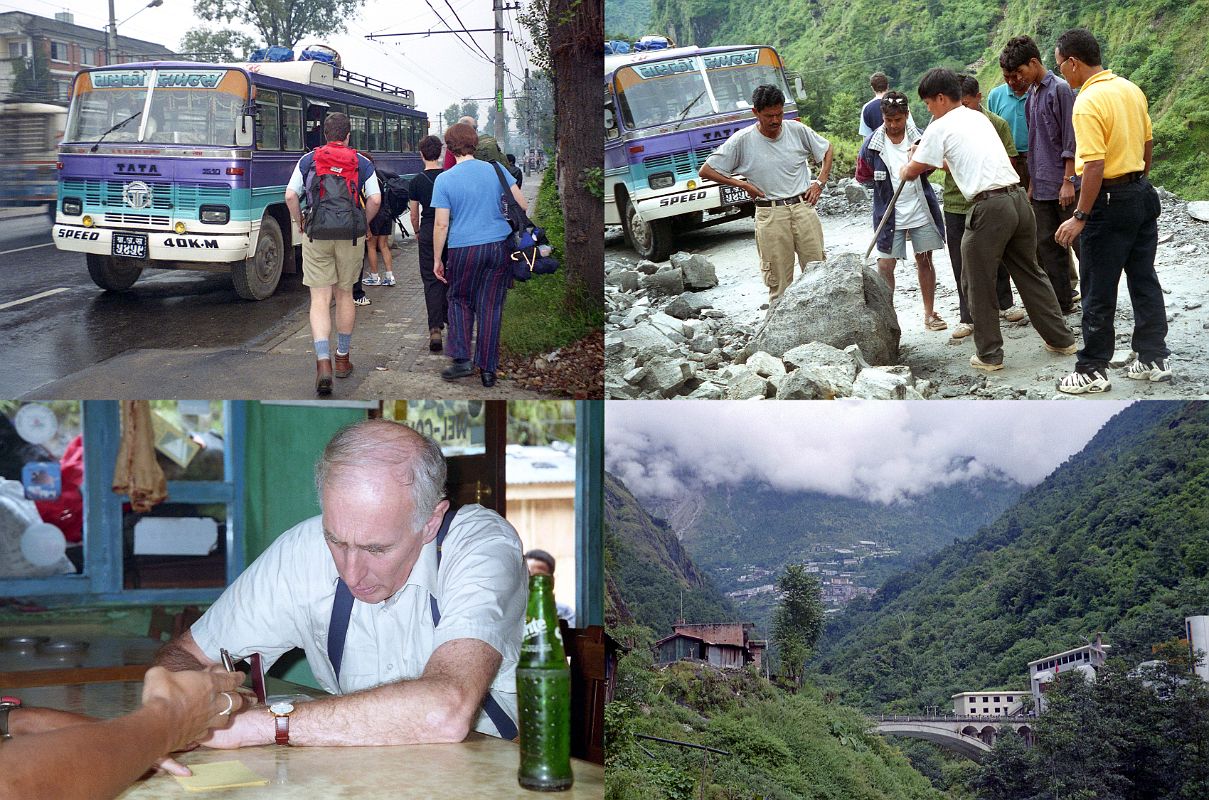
(1150, 371)
(458, 369)
(1069, 350)
(978, 363)
(488, 379)
(434, 339)
(361, 301)
(1013, 314)
(371, 279)
(962, 330)
(388, 279)
(342, 366)
(1092, 382)
(323, 376)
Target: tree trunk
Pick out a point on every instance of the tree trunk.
(576, 53)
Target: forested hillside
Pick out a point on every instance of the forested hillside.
(647, 572)
(1115, 541)
(833, 45)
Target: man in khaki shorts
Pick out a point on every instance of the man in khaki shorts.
(331, 266)
(771, 155)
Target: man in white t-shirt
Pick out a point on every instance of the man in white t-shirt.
(916, 215)
(401, 677)
(772, 156)
(999, 226)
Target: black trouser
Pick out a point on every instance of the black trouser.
(1020, 162)
(955, 227)
(1053, 257)
(434, 290)
(1121, 235)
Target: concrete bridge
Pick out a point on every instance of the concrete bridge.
(970, 736)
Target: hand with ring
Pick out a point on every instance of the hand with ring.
(199, 700)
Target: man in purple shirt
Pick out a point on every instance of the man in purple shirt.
(1051, 158)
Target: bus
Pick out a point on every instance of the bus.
(28, 154)
(665, 112)
(184, 166)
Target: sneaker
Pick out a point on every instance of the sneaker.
(361, 301)
(1150, 371)
(962, 330)
(388, 279)
(1076, 297)
(1069, 350)
(1013, 314)
(978, 363)
(1085, 383)
(371, 279)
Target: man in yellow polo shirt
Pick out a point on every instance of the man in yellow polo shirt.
(1116, 220)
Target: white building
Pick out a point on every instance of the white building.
(992, 702)
(1086, 660)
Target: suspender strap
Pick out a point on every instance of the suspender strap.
(342, 609)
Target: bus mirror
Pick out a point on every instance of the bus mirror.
(243, 134)
(610, 121)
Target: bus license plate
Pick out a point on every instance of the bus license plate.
(130, 245)
(733, 195)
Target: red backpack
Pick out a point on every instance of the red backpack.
(334, 209)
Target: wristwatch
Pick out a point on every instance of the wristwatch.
(1079, 215)
(281, 711)
(7, 704)
(1071, 178)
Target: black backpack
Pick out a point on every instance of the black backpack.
(334, 208)
(395, 196)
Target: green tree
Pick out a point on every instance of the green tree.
(1003, 770)
(535, 112)
(470, 108)
(31, 77)
(451, 115)
(202, 44)
(281, 22)
(798, 621)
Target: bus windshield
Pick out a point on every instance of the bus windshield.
(674, 90)
(187, 106)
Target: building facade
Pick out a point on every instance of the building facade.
(989, 703)
(727, 645)
(1086, 659)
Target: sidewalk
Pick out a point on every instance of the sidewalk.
(389, 353)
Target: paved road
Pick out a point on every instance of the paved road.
(180, 333)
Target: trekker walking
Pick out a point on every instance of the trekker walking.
(999, 226)
(771, 155)
(420, 196)
(916, 216)
(1051, 158)
(469, 217)
(334, 179)
(1116, 220)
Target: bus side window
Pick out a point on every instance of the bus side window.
(268, 126)
(377, 133)
(291, 122)
(394, 142)
(358, 120)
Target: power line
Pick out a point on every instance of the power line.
(463, 24)
(454, 31)
(410, 19)
(884, 59)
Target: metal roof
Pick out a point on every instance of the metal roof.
(544, 464)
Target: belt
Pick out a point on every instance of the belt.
(1130, 178)
(788, 201)
(978, 198)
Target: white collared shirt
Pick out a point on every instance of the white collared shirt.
(284, 600)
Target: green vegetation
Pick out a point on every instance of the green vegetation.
(627, 19)
(535, 316)
(834, 45)
(797, 623)
(1116, 540)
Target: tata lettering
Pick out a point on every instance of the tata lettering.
(664, 68)
(720, 135)
(136, 169)
(682, 198)
(88, 236)
(731, 59)
(194, 244)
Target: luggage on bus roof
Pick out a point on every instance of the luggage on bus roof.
(275, 53)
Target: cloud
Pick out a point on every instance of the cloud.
(869, 450)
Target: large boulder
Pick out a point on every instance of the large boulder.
(839, 302)
(855, 193)
(666, 281)
(1199, 210)
(687, 306)
(699, 272)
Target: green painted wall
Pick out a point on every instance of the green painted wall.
(283, 443)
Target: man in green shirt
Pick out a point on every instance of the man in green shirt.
(956, 207)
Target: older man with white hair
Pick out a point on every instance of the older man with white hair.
(433, 603)
(488, 149)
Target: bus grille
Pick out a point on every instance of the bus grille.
(182, 199)
(685, 162)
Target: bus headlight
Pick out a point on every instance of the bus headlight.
(215, 215)
(72, 206)
(662, 180)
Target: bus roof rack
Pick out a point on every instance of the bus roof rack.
(320, 73)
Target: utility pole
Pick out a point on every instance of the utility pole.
(111, 36)
(498, 5)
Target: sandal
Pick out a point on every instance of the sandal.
(935, 323)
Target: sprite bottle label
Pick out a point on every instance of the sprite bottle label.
(543, 689)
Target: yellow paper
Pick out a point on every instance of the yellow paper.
(220, 775)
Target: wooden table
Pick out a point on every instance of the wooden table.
(480, 767)
(106, 658)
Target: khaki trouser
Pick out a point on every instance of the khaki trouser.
(332, 262)
(1003, 227)
(782, 232)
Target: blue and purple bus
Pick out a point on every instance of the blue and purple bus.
(183, 165)
(665, 112)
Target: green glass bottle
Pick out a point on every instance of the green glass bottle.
(543, 691)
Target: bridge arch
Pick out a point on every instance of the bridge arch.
(970, 746)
